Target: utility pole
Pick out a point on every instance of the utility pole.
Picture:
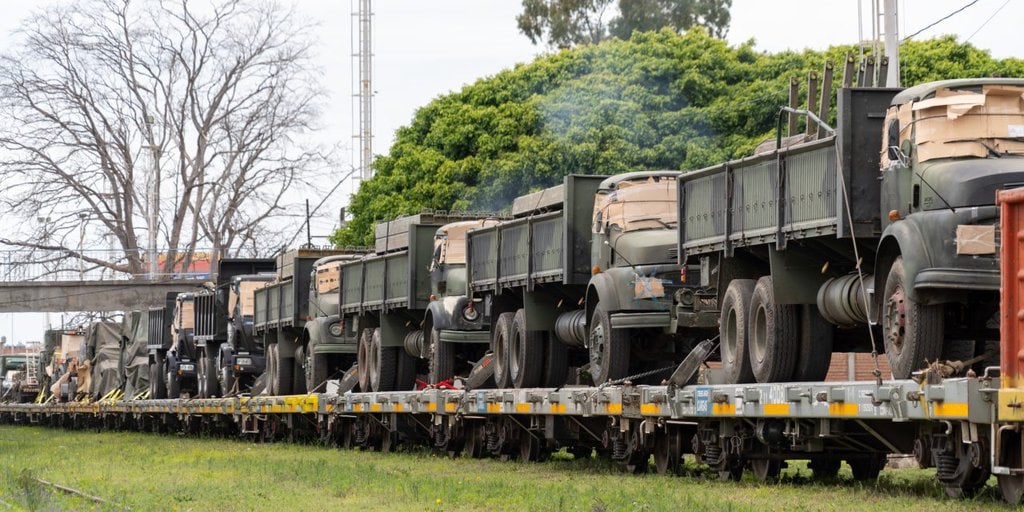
(892, 42)
(154, 201)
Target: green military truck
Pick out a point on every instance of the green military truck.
(159, 342)
(301, 307)
(887, 221)
(418, 260)
(180, 361)
(229, 356)
(586, 269)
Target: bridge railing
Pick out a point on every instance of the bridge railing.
(22, 265)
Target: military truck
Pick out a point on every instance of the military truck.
(587, 268)
(302, 304)
(229, 357)
(19, 380)
(159, 341)
(418, 260)
(888, 220)
(180, 358)
(63, 369)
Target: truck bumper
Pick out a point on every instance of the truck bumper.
(957, 279)
(450, 336)
(335, 348)
(641, 320)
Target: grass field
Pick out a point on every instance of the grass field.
(152, 472)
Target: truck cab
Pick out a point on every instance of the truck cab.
(241, 359)
(635, 267)
(451, 308)
(947, 147)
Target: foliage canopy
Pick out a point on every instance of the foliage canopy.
(659, 100)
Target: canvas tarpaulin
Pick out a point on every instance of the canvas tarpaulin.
(135, 357)
(104, 342)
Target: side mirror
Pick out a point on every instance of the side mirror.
(907, 148)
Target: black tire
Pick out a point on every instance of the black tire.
(384, 376)
(774, 335)
(913, 332)
(556, 362)
(271, 358)
(866, 468)
(734, 329)
(225, 376)
(816, 339)
(315, 370)
(526, 354)
(285, 372)
(363, 358)
(609, 348)
(172, 379)
(500, 342)
(442, 358)
(406, 378)
(157, 386)
(208, 384)
(299, 371)
(766, 470)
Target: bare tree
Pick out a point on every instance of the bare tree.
(208, 108)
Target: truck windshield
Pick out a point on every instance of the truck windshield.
(450, 241)
(977, 121)
(328, 278)
(645, 203)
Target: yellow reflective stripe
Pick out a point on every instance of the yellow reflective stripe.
(723, 409)
(523, 407)
(650, 409)
(842, 409)
(776, 409)
(449, 407)
(558, 408)
(614, 408)
(950, 409)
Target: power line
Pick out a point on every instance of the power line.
(986, 21)
(944, 18)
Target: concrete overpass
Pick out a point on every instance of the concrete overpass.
(104, 295)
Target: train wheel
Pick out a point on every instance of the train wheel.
(825, 469)
(774, 334)
(157, 386)
(475, 442)
(1011, 487)
(315, 370)
(500, 348)
(766, 470)
(734, 473)
(734, 331)
(815, 349)
(526, 354)
(668, 454)
(913, 332)
(609, 348)
(363, 359)
(866, 468)
(442, 358)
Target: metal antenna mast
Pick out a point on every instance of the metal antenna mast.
(362, 56)
(892, 42)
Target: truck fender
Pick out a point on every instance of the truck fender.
(440, 312)
(602, 290)
(902, 238)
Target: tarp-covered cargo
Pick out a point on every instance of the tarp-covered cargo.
(135, 357)
(104, 342)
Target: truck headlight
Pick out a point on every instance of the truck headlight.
(470, 313)
(335, 329)
(243, 361)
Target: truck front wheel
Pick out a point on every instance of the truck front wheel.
(912, 331)
(173, 381)
(315, 370)
(442, 358)
(609, 348)
(208, 384)
(157, 387)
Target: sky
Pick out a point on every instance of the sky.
(426, 48)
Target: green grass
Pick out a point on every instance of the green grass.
(151, 472)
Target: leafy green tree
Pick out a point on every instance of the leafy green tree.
(567, 23)
(659, 100)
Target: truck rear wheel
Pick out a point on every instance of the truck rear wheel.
(282, 378)
(774, 334)
(815, 351)
(733, 329)
(499, 347)
(157, 386)
(442, 358)
(556, 362)
(383, 364)
(912, 331)
(609, 348)
(363, 358)
(271, 352)
(315, 370)
(526, 354)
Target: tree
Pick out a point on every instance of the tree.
(104, 102)
(659, 100)
(567, 23)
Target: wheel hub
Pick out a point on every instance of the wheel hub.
(596, 348)
(896, 319)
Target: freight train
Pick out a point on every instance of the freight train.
(585, 319)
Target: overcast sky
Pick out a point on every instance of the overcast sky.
(424, 49)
